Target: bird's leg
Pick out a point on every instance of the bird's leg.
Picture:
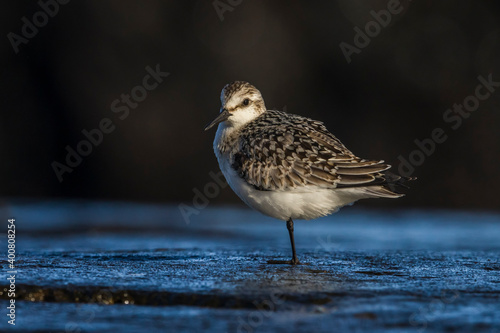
(295, 260)
(289, 226)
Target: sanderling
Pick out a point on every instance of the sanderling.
(287, 166)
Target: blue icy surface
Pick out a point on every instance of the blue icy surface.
(123, 267)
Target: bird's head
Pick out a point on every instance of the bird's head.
(241, 103)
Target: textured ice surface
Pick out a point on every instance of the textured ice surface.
(121, 267)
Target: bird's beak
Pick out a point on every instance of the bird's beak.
(224, 114)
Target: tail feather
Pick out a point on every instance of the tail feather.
(393, 180)
(381, 192)
(386, 186)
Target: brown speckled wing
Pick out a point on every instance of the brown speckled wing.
(280, 151)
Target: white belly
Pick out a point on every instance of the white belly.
(304, 203)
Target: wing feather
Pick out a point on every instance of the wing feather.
(280, 151)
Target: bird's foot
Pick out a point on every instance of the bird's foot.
(294, 261)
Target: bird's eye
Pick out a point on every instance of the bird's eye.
(246, 101)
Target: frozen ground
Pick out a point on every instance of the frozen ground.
(111, 267)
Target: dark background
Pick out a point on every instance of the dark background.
(395, 91)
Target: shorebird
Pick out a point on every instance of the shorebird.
(288, 166)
